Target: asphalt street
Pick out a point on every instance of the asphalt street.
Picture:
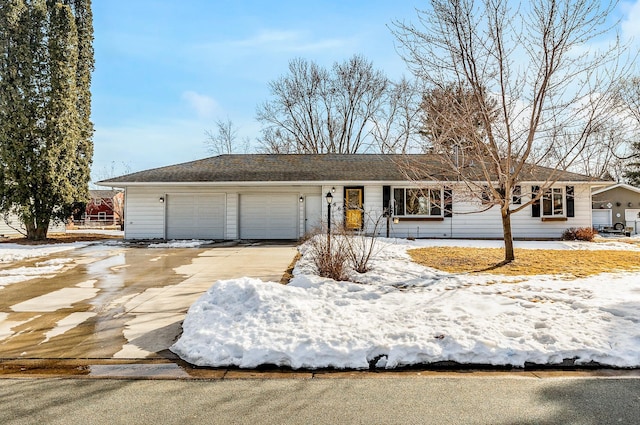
(419, 400)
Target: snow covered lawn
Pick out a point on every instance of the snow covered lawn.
(401, 314)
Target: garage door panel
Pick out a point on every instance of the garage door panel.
(269, 216)
(195, 216)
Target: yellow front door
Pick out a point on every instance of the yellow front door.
(353, 204)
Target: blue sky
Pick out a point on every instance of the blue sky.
(166, 70)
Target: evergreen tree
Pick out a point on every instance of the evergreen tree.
(46, 60)
(633, 168)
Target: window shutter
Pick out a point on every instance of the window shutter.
(535, 207)
(486, 197)
(448, 202)
(517, 195)
(571, 211)
(386, 197)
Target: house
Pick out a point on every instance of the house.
(232, 197)
(105, 208)
(10, 225)
(617, 206)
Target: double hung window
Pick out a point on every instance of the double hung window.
(553, 202)
(413, 202)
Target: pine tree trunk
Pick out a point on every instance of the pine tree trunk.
(509, 255)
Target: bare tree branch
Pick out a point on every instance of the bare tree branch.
(551, 88)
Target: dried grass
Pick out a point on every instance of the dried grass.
(578, 263)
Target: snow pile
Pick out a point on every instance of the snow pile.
(194, 243)
(403, 314)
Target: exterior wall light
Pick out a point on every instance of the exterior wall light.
(161, 200)
(301, 199)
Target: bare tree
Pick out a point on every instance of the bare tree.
(224, 140)
(628, 96)
(602, 157)
(551, 88)
(395, 127)
(350, 108)
(116, 168)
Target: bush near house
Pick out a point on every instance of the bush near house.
(579, 234)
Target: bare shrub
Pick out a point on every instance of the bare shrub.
(585, 234)
(330, 259)
(579, 234)
(360, 248)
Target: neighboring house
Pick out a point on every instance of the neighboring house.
(11, 226)
(104, 208)
(619, 205)
(231, 197)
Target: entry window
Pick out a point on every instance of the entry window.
(553, 202)
(412, 202)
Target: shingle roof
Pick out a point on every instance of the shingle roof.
(103, 194)
(310, 167)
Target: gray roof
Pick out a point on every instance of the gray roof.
(103, 194)
(315, 168)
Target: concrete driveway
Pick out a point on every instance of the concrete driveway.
(117, 301)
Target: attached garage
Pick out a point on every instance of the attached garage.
(601, 218)
(195, 216)
(269, 216)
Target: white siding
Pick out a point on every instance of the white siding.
(337, 205)
(525, 226)
(232, 216)
(373, 209)
(468, 222)
(8, 229)
(144, 213)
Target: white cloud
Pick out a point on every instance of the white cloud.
(204, 106)
(631, 24)
(281, 41)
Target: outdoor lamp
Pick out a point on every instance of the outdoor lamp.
(161, 200)
(329, 198)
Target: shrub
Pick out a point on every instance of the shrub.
(330, 261)
(579, 234)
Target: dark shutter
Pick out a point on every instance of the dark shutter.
(571, 211)
(386, 197)
(448, 202)
(535, 207)
(486, 197)
(517, 195)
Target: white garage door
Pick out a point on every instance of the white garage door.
(198, 216)
(601, 218)
(269, 216)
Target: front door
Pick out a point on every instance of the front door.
(353, 207)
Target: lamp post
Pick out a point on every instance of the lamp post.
(329, 198)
